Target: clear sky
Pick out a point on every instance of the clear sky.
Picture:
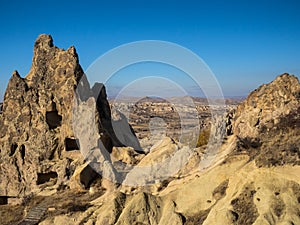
(245, 43)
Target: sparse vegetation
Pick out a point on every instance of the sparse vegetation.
(11, 214)
(203, 137)
(244, 210)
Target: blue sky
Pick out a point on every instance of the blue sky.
(245, 43)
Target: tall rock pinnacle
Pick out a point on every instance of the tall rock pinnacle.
(38, 145)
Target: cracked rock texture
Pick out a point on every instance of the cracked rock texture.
(252, 179)
(266, 105)
(40, 134)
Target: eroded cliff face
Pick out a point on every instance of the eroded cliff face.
(267, 123)
(252, 179)
(39, 131)
(36, 124)
(264, 107)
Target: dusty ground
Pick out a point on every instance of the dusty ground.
(62, 203)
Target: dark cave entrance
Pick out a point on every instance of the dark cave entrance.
(72, 144)
(3, 200)
(46, 177)
(88, 176)
(53, 119)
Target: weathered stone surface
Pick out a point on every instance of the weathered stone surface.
(267, 123)
(114, 123)
(46, 130)
(164, 161)
(50, 149)
(37, 119)
(265, 105)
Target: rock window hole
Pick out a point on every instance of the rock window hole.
(3, 200)
(53, 119)
(46, 177)
(72, 144)
(88, 176)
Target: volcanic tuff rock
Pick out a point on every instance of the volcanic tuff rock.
(39, 142)
(269, 119)
(253, 178)
(265, 105)
(242, 186)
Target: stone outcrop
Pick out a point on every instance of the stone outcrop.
(266, 105)
(267, 123)
(59, 138)
(36, 123)
(40, 134)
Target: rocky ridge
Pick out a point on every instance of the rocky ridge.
(253, 178)
(269, 119)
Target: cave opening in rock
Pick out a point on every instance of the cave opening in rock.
(72, 144)
(46, 177)
(53, 119)
(13, 149)
(88, 176)
(3, 200)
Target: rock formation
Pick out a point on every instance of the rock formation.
(253, 178)
(39, 143)
(36, 124)
(266, 105)
(268, 119)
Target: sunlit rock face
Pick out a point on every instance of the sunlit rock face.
(60, 140)
(39, 131)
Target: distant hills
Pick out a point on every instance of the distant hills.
(200, 100)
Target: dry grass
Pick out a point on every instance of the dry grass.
(63, 202)
(11, 214)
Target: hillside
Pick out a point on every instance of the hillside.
(53, 170)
